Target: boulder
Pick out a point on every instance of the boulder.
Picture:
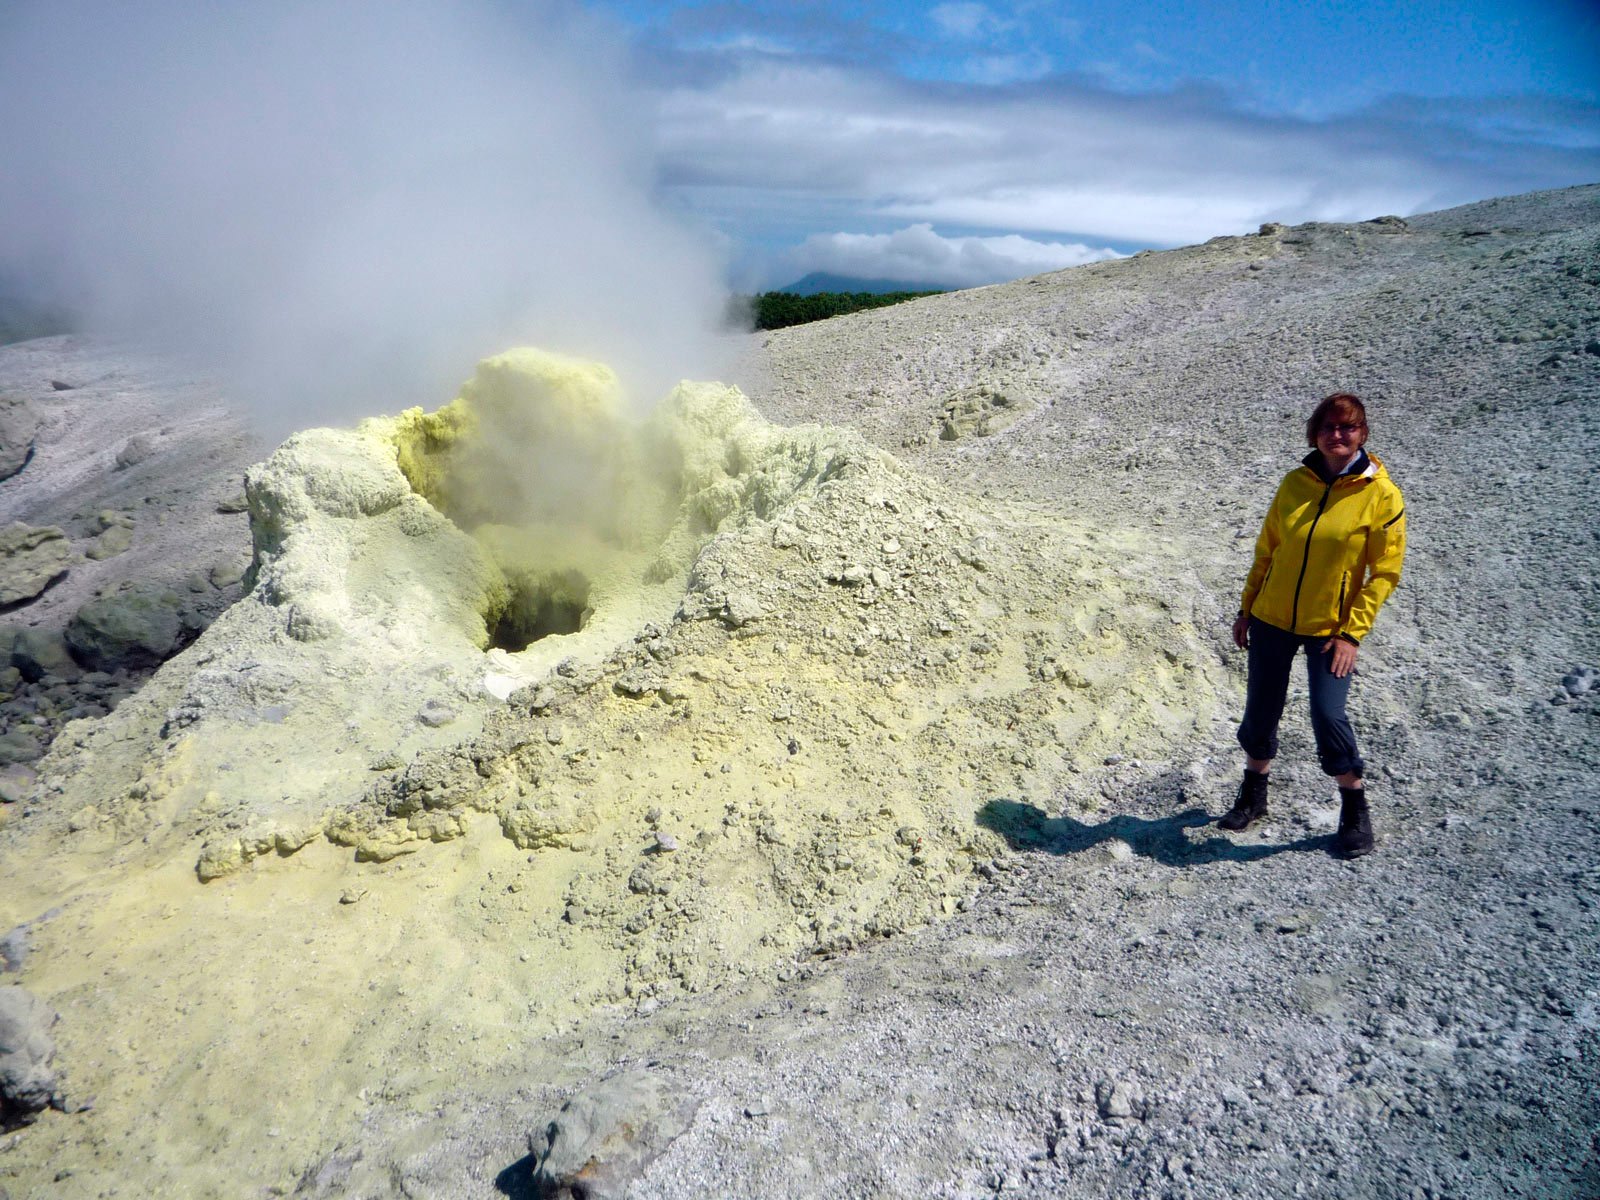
(606, 1135)
(32, 557)
(28, 1085)
(139, 626)
(40, 652)
(19, 746)
(18, 424)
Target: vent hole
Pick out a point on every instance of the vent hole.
(541, 607)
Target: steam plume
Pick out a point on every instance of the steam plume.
(344, 206)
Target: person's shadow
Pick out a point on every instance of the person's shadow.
(1027, 827)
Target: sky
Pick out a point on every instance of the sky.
(338, 206)
(961, 142)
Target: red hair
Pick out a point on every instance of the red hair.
(1342, 408)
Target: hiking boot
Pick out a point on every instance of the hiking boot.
(1355, 824)
(1251, 805)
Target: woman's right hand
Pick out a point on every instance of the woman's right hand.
(1241, 632)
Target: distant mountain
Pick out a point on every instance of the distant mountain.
(822, 281)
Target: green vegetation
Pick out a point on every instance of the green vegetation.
(778, 310)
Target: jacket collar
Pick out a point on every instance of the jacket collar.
(1361, 468)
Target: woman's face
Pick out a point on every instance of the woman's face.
(1339, 439)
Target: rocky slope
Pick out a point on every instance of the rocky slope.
(122, 532)
(1011, 725)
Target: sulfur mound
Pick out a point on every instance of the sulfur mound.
(694, 696)
(744, 666)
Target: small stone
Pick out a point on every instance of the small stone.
(636, 682)
(14, 948)
(352, 895)
(110, 542)
(1116, 1099)
(665, 842)
(16, 783)
(135, 450)
(759, 1107)
(1293, 922)
(224, 574)
(433, 714)
(741, 609)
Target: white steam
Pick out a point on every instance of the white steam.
(344, 206)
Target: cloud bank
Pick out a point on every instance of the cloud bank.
(918, 255)
(344, 206)
(765, 144)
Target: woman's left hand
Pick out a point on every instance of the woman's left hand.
(1344, 656)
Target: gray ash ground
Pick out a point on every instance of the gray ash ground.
(139, 468)
(1130, 1007)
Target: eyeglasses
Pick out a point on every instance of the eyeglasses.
(1346, 430)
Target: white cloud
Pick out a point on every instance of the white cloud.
(917, 254)
(1008, 68)
(760, 146)
(965, 20)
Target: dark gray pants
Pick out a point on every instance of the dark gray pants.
(1272, 652)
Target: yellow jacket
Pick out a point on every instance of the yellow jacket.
(1329, 552)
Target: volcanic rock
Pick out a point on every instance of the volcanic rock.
(604, 1136)
(139, 625)
(135, 450)
(19, 746)
(38, 653)
(31, 559)
(18, 424)
(115, 536)
(28, 1082)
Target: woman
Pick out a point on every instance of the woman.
(1329, 554)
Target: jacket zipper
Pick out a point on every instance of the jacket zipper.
(1344, 581)
(1294, 611)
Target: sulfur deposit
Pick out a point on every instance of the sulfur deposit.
(535, 708)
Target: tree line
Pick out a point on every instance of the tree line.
(778, 310)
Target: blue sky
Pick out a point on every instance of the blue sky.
(958, 137)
